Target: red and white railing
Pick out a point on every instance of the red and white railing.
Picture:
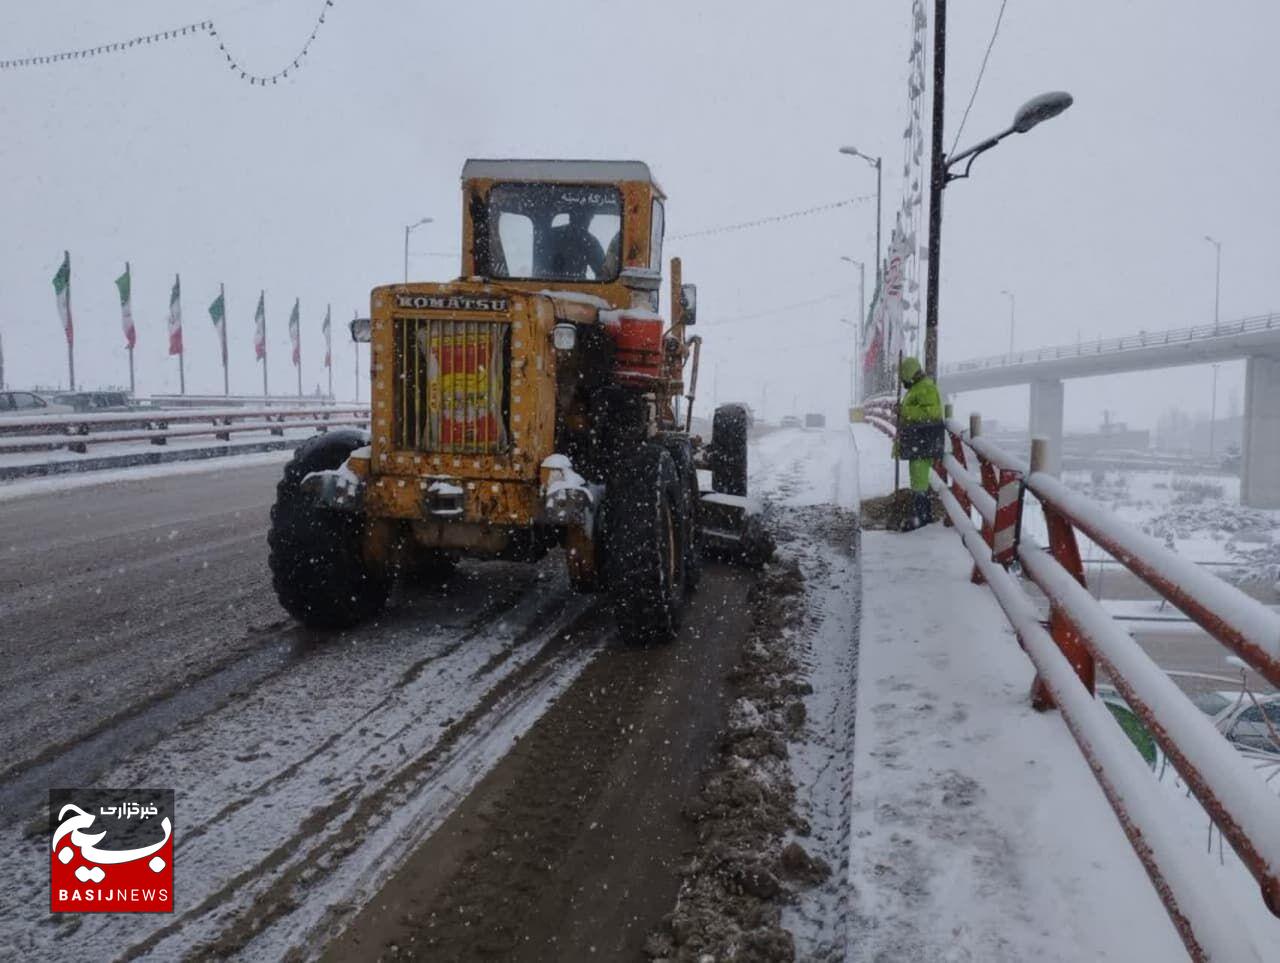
(1081, 634)
(77, 432)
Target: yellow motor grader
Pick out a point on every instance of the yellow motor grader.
(535, 402)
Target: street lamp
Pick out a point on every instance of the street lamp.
(1012, 302)
(874, 162)
(407, 229)
(1034, 111)
(1213, 410)
(1217, 277)
(853, 365)
(862, 318)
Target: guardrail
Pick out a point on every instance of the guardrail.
(1081, 634)
(77, 432)
(1144, 339)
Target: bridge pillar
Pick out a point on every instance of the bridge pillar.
(1046, 420)
(1260, 461)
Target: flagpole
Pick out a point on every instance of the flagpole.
(71, 355)
(262, 298)
(356, 344)
(328, 345)
(129, 347)
(226, 383)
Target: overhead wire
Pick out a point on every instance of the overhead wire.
(978, 83)
(772, 219)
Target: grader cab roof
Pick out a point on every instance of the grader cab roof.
(561, 171)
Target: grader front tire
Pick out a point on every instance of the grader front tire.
(317, 569)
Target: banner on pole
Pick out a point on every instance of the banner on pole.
(328, 338)
(175, 317)
(295, 334)
(218, 314)
(62, 288)
(124, 284)
(260, 327)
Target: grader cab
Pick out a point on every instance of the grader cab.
(538, 401)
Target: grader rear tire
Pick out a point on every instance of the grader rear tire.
(317, 569)
(729, 450)
(645, 554)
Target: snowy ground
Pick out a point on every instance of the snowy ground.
(979, 832)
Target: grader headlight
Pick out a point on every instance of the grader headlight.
(564, 336)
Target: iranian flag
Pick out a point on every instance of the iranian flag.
(175, 317)
(327, 328)
(295, 334)
(260, 327)
(124, 283)
(62, 288)
(218, 314)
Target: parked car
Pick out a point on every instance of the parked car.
(16, 403)
(1243, 723)
(86, 401)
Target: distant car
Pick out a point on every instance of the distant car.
(91, 401)
(812, 420)
(789, 421)
(18, 403)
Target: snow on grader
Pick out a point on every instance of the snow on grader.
(533, 403)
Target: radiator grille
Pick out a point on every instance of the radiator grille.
(451, 385)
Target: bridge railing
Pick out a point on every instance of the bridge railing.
(1144, 339)
(76, 432)
(1080, 634)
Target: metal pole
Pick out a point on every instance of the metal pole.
(1217, 283)
(937, 181)
(356, 344)
(226, 382)
(182, 377)
(406, 254)
(878, 219)
(132, 389)
(897, 462)
(862, 324)
(1213, 409)
(265, 393)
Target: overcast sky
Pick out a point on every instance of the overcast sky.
(163, 157)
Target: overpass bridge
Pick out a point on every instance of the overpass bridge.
(1256, 340)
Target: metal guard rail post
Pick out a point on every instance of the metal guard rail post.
(1236, 799)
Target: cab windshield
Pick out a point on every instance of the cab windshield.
(552, 232)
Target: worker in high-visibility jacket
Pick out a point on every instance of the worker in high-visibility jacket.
(920, 406)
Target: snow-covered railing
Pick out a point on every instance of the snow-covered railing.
(1081, 633)
(76, 432)
(1144, 339)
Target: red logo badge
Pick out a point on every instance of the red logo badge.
(112, 850)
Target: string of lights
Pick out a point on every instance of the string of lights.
(773, 219)
(206, 27)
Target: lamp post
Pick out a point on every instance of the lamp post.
(1012, 303)
(874, 162)
(853, 367)
(1030, 114)
(1217, 276)
(407, 229)
(1213, 409)
(862, 320)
